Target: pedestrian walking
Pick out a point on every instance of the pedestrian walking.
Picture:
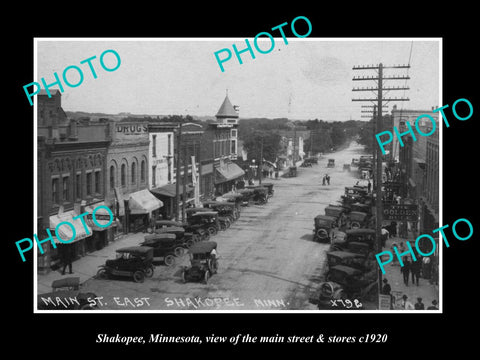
(419, 305)
(426, 267)
(415, 269)
(67, 258)
(328, 179)
(433, 306)
(405, 270)
(405, 304)
(386, 289)
(323, 180)
(369, 186)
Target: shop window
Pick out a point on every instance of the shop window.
(142, 171)
(97, 182)
(154, 171)
(78, 186)
(89, 183)
(123, 175)
(154, 145)
(134, 172)
(65, 188)
(112, 177)
(55, 190)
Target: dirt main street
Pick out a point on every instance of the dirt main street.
(268, 259)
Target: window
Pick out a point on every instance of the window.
(169, 144)
(234, 133)
(233, 149)
(89, 183)
(123, 175)
(154, 170)
(154, 145)
(65, 188)
(55, 190)
(112, 177)
(97, 182)
(134, 173)
(142, 171)
(78, 186)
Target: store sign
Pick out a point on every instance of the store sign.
(384, 302)
(402, 212)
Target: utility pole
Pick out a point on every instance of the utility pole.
(177, 176)
(379, 99)
(261, 163)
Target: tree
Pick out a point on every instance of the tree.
(271, 145)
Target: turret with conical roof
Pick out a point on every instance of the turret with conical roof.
(226, 111)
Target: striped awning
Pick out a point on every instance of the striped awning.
(101, 216)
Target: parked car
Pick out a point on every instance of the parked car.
(203, 262)
(165, 246)
(356, 240)
(208, 220)
(331, 163)
(347, 258)
(133, 261)
(358, 219)
(323, 227)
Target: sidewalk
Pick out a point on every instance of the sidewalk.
(87, 266)
(425, 290)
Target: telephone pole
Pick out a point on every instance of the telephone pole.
(177, 169)
(379, 100)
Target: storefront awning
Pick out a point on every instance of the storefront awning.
(227, 172)
(169, 190)
(101, 216)
(143, 202)
(65, 231)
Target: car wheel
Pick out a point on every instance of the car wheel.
(179, 251)
(190, 242)
(138, 276)
(149, 271)
(206, 276)
(212, 230)
(102, 274)
(355, 225)
(322, 234)
(169, 260)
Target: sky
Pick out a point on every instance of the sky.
(309, 78)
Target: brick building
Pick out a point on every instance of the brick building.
(71, 168)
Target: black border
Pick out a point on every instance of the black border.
(57, 333)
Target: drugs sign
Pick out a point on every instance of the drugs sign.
(403, 212)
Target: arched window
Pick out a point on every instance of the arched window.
(112, 177)
(142, 171)
(123, 175)
(134, 173)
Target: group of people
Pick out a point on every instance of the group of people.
(326, 179)
(404, 302)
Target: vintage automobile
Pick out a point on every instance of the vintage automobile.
(355, 162)
(247, 196)
(165, 246)
(224, 209)
(323, 227)
(203, 262)
(364, 208)
(208, 220)
(335, 211)
(355, 283)
(358, 219)
(269, 186)
(346, 167)
(331, 163)
(233, 198)
(133, 261)
(260, 195)
(191, 232)
(351, 259)
(356, 240)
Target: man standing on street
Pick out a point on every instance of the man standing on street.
(67, 258)
(405, 269)
(415, 268)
